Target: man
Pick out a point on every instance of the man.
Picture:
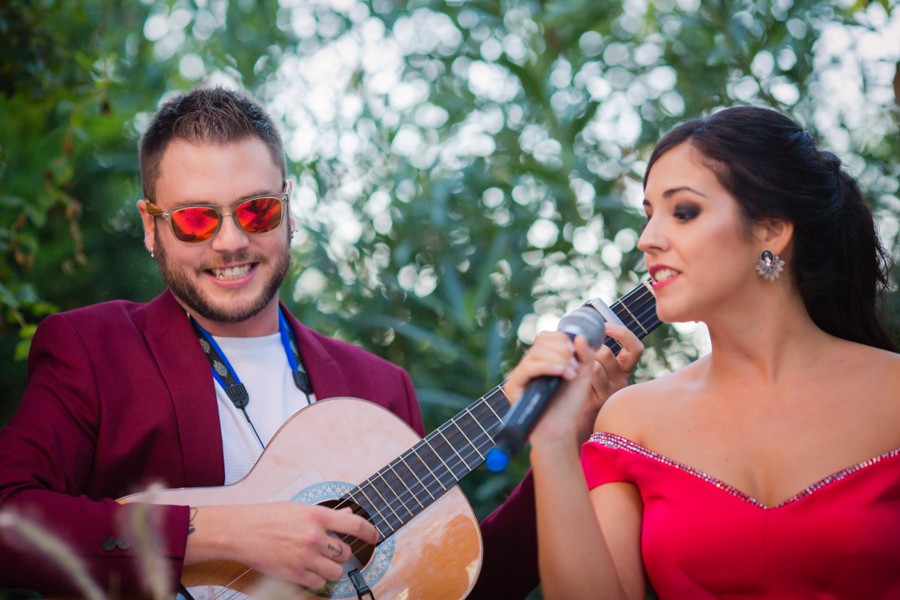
(123, 394)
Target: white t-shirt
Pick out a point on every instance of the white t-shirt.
(261, 364)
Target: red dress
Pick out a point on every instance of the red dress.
(701, 538)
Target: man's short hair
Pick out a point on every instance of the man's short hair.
(216, 116)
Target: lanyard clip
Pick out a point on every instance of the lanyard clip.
(238, 395)
(301, 380)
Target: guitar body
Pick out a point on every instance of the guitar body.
(319, 454)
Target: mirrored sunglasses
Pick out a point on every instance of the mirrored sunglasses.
(196, 224)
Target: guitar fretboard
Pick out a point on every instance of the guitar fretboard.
(397, 493)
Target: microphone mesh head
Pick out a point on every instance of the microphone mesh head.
(585, 321)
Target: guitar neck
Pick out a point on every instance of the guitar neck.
(409, 484)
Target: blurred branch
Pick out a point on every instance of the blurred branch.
(142, 522)
(18, 530)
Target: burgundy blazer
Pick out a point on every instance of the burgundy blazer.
(120, 395)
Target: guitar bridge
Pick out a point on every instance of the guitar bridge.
(360, 585)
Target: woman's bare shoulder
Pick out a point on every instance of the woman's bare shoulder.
(639, 408)
(867, 364)
(881, 368)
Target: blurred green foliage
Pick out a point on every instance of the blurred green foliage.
(466, 171)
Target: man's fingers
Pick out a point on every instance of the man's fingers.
(336, 550)
(345, 522)
(319, 570)
(310, 580)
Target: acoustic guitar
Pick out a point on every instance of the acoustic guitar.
(348, 452)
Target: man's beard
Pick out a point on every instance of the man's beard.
(189, 293)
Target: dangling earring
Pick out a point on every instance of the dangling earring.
(769, 265)
(152, 253)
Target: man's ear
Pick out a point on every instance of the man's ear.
(149, 223)
(291, 221)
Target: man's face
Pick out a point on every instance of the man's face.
(234, 276)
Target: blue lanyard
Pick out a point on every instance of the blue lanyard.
(301, 379)
(226, 376)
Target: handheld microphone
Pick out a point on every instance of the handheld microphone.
(524, 415)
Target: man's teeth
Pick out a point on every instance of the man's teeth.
(231, 272)
(664, 274)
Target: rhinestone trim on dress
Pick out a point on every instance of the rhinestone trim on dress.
(611, 440)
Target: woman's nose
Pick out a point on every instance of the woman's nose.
(652, 238)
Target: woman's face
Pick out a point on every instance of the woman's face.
(697, 253)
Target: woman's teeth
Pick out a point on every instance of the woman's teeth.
(664, 274)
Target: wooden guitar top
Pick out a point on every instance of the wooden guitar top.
(319, 454)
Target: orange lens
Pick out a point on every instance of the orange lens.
(259, 215)
(194, 224)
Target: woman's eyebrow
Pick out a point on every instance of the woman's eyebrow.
(684, 188)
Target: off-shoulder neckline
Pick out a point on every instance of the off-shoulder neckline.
(611, 440)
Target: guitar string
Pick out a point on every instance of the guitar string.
(485, 400)
(356, 509)
(472, 446)
(636, 314)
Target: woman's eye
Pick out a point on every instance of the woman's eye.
(686, 212)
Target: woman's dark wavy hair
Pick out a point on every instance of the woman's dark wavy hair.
(772, 167)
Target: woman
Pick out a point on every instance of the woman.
(768, 468)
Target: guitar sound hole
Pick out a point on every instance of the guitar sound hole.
(362, 551)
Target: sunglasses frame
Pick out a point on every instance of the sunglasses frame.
(283, 198)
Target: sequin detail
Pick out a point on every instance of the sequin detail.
(611, 440)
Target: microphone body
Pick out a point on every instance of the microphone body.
(524, 415)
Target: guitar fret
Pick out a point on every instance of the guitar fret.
(411, 493)
(480, 455)
(491, 408)
(385, 481)
(480, 414)
(650, 321)
(503, 391)
(371, 510)
(426, 445)
(633, 319)
(635, 302)
(421, 481)
(489, 437)
(499, 403)
(375, 506)
(447, 442)
(372, 483)
(424, 462)
(642, 303)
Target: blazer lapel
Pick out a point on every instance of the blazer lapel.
(186, 372)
